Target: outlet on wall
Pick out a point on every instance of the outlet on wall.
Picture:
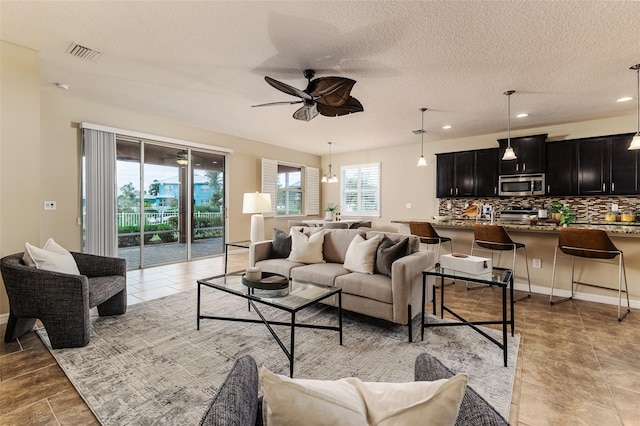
(537, 263)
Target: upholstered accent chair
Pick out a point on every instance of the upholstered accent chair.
(62, 301)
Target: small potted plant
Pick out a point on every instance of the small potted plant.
(331, 210)
(561, 213)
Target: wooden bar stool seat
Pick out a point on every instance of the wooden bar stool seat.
(494, 238)
(429, 236)
(595, 246)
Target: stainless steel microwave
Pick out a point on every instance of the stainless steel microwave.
(521, 185)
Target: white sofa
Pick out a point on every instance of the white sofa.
(396, 298)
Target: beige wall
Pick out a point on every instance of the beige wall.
(19, 151)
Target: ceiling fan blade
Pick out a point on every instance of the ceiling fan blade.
(306, 113)
(331, 91)
(290, 90)
(351, 106)
(278, 103)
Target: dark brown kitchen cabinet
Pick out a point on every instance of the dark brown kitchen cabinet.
(562, 170)
(455, 174)
(486, 173)
(530, 155)
(606, 166)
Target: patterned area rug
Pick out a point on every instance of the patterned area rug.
(151, 365)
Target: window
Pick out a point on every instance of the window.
(360, 190)
(289, 190)
(294, 188)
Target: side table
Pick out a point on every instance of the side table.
(499, 277)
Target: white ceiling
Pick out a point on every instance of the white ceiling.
(203, 63)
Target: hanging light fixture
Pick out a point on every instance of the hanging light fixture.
(329, 177)
(509, 154)
(421, 161)
(182, 158)
(635, 142)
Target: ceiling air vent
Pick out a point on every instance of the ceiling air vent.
(83, 52)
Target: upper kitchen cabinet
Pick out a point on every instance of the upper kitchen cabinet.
(530, 155)
(455, 171)
(606, 166)
(562, 170)
(486, 172)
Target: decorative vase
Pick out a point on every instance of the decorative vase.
(328, 216)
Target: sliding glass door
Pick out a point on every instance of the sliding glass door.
(170, 203)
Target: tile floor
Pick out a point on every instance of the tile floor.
(576, 364)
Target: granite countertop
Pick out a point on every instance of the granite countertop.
(632, 228)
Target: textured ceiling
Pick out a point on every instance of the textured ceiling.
(203, 63)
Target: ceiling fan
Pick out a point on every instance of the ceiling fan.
(328, 96)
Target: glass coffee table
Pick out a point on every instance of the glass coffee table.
(499, 277)
(301, 295)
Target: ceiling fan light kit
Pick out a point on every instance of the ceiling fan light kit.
(421, 161)
(329, 177)
(328, 96)
(509, 154)
(635, 142)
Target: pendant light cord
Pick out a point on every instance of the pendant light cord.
(422, 134)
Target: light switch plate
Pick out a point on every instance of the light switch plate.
(49, 205)
(408, 205)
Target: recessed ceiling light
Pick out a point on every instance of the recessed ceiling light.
(447, 127)
(63, 86)
(625, 99)
(523, 115)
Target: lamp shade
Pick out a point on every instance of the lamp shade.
(256, 202)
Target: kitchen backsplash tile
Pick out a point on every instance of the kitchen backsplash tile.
(586, 209)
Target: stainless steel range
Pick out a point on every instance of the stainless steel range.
(517, 214)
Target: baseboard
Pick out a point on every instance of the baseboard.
(4, 318)
(589, 297)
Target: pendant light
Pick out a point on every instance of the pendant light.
(509, 154)
(329, 177)
(635, 142)
(421, 161)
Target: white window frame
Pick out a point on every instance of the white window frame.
(310, 187)
(357, 169)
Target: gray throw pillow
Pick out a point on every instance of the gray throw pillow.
(388, 252)
(281, 245)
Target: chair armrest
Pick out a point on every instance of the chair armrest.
(92, 265)
(236, 402)
(258, 251)
(474, 410)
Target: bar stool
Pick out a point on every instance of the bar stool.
(494, 238)
(595, 245)
(429, 236)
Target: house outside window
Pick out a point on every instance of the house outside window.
(289, 190)
(360, 190)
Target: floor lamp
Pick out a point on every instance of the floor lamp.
(256, 203)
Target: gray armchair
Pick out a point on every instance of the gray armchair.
(62, 301)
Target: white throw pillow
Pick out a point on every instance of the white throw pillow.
(51, 257)
(353, 402)
(306, 249)
(361, 254)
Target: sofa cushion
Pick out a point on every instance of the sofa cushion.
(388, 252)
(281, 244)
(51, 257)
(278, 266)
(319, 273)
(306, 248)
(336, 243)
(361, 255)
(376, 287)
(414, 242)
(354, 402)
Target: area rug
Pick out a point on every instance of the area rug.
(151, 365)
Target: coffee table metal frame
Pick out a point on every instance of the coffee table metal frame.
(239, 244)
(499, 277)
(296, 301)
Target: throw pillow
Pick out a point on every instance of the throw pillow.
(306, 249)
(388, 252)
(51, 257)
(361, 254)
(350, 401)
(281, 244)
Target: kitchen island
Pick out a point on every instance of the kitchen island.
(541, 240)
